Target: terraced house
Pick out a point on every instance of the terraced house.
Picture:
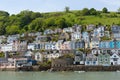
(96, 45)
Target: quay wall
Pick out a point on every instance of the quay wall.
(66, 68)
(86, 68)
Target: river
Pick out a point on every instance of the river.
(59, 75)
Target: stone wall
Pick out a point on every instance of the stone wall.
(86, 68)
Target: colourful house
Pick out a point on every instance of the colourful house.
(104, 59)
(79, 58)
(86, 37)
(91, 59)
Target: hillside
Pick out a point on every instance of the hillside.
(27, 21)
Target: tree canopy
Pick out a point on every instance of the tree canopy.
(27, 21)
(105, 10)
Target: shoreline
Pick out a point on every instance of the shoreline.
(73, 68)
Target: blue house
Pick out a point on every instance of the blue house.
(79, 44)
(107, 44)
(112, 44)
(104, 44)
(85, 36)
(72, 44)
(95, 32)
(99, 31)
(118, 44)
(116, 31)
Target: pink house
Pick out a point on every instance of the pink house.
(66, 46)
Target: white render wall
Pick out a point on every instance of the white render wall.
(6, 48)
(32, 47)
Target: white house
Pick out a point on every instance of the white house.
(75, 36)
(6, 47)
(22, 62)
(7, 63)
(28, 54)
(69, 29)
(53, 55)
(115, 59)
(50, 46)
(12, 38)
(31, 46)
(95, 51)
(53, 46)
(101, 30)
(38, 56)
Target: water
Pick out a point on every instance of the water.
(59, 76)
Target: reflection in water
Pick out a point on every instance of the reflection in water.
(59, 75)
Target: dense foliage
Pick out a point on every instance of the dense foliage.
(28, 21)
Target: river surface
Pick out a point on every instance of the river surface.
(59, 75)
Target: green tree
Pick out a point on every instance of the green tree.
(50, 22)
(2, 55)
(93, 11)
(25, 17)
(37, 25)
(4, 13)
(35, 15)
(2, 28)
(85, 11)
(113, 14)
(105, 10)
(61, 22)
(12, 29)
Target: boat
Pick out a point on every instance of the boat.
(79, 71)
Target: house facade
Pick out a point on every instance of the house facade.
(115, 59)
(39, 56)
(79, 58)
(76, 36)
(91, 60)
(116, 32)
(86, 37)
(104, 59)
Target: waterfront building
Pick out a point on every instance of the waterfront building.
(95, 51)
(115, 59)
(91, 60)
(79, 58)
(104, 59)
